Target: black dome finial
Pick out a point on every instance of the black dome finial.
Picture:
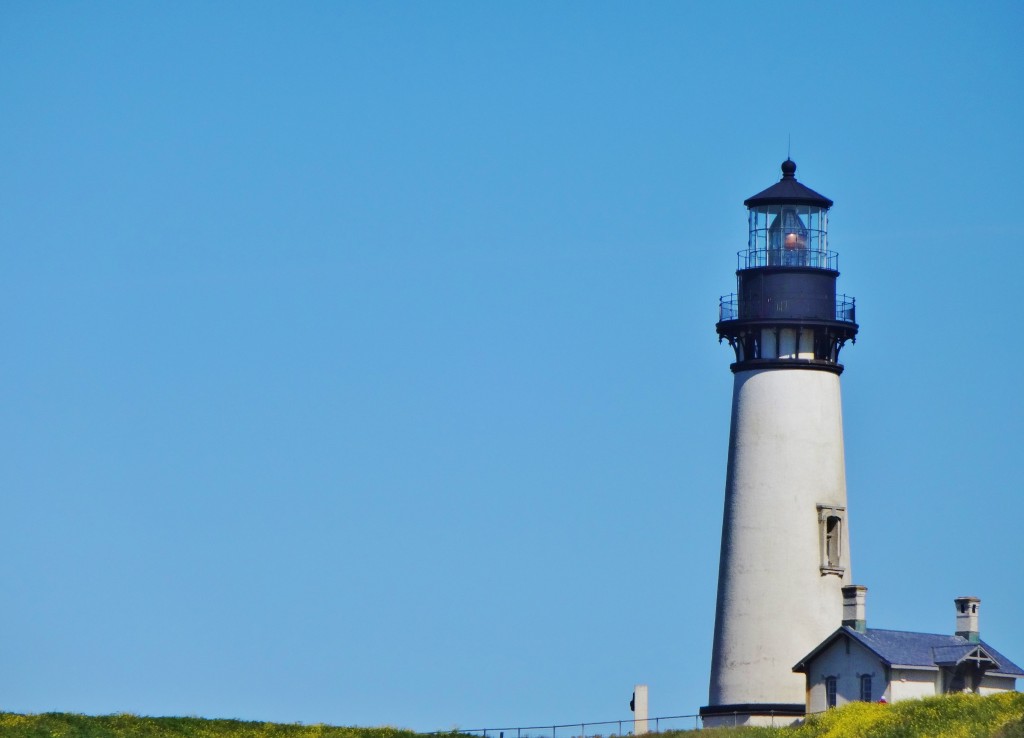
(788, 168)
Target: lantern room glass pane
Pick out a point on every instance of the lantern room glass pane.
(788, 235)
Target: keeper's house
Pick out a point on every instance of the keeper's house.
(871, 665)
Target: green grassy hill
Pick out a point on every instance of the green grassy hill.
(957, 716)
(952, 716)
(67, 725)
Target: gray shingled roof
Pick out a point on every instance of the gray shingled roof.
(928, 650)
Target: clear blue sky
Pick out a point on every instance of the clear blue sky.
(359, 363)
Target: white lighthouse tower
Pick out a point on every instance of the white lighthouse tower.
(785, 534)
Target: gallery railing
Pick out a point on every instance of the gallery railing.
(792, 257)
(844, 309)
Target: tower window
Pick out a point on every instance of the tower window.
(833, 527)
(830, 526)
(830, 691)
(865, 688)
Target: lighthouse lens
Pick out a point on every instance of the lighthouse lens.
(787, 239)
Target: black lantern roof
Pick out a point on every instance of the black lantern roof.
(787, 191)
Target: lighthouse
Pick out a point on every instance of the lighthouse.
(785, 533)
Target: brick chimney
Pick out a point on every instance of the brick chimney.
(967, 618)
(854, 607)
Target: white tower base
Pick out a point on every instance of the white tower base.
(785, 547)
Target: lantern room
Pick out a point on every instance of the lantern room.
(785, 311)
(788, 225)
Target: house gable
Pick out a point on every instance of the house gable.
(845, 665)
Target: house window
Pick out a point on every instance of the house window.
(830, 525)
(865, 688)
(830, 692)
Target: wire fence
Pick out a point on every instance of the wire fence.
(587, 730)
(614, 728)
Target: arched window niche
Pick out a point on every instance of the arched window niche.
(831, 525)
